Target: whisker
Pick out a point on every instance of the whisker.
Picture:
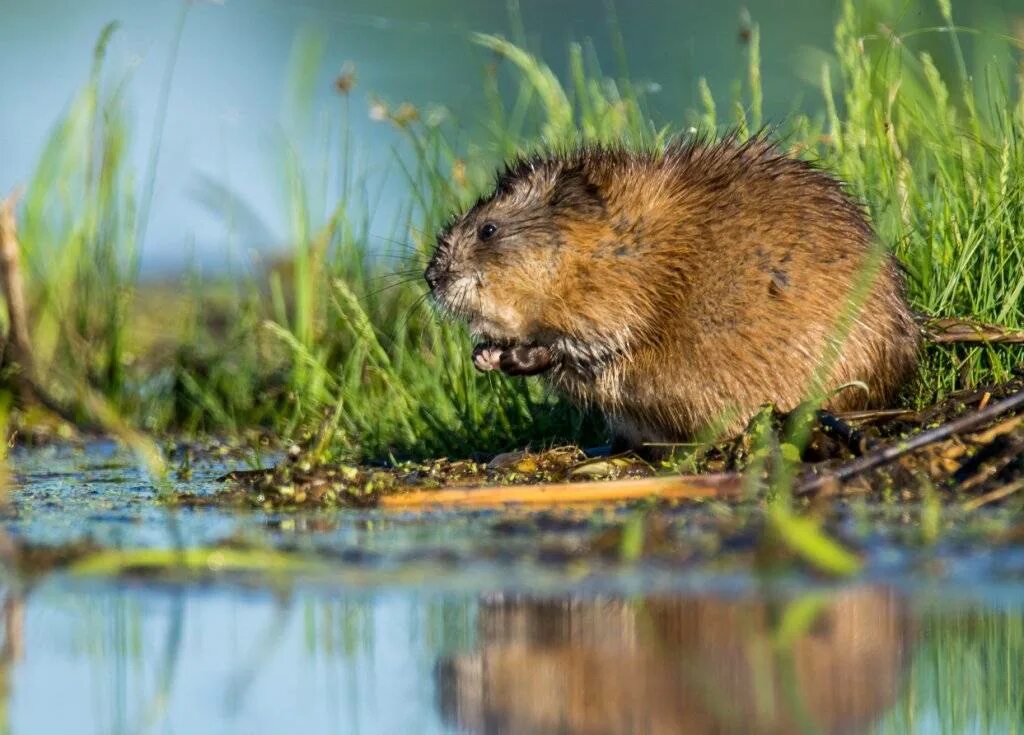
(392, 240)
(410, 257)
(397, 274)
(400, 244)
(417, 258)
(388, 287)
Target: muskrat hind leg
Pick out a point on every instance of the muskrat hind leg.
(525, 360)
(620, 445)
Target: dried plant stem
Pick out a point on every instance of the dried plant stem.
(19, 344)
(18, 351)
(998, 494)
(676, 487)
(890, 452)
(967, 331)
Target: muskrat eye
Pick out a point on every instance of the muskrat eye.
(487, 230)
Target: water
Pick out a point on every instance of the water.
(485, 622)
(230, 659)
(228, 109)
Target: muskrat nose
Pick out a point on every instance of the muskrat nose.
(432, 275)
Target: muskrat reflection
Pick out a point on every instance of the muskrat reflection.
(669, 665)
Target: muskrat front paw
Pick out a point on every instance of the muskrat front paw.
(525, 360)
(487, 358)
(517, 360)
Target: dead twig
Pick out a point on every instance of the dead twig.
(19, 352)
(886, 454)
(878, 414)
(991, 497)
(677, 487)
(964, 331)
(986, 463)
(19, 344)
(1003, 427)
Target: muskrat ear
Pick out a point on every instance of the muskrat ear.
(576, 193)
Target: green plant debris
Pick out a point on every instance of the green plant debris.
(966, 472)
(804, 536)
(299, 482)
(193, 561)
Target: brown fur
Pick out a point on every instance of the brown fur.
(680, 291)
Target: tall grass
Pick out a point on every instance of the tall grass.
(938, 160)
(77, 232)
(335, 347)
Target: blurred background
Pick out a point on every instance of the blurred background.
(229, 83)
(225, 213)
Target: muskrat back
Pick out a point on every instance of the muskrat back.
(678, 290)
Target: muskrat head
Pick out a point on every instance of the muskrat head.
(504, 265)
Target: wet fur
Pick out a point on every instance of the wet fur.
(679, 291)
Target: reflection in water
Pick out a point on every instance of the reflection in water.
(679, 665)
(134, 656)
(11, 649)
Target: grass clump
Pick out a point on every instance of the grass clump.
(334, 347)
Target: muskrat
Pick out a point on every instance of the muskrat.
(679, 290)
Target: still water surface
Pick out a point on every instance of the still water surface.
(228, 109)
(456, 623)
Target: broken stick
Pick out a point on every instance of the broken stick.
(964, 331)
(890, 452)
(19, 344)
(675, 487)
